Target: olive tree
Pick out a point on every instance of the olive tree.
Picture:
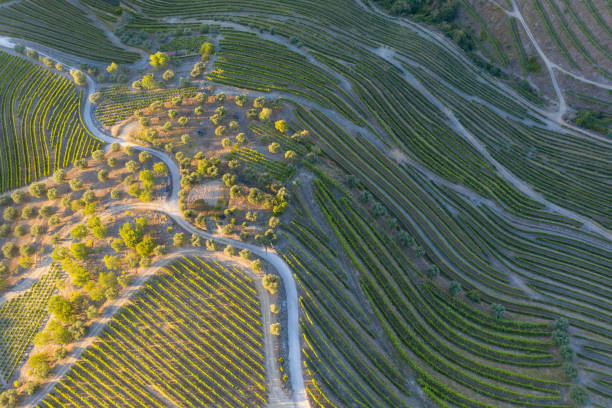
(95, 98)
(159, 60)
(498, 310)
(168, 75)
(270, 282)
(78, 77)
(454, 288)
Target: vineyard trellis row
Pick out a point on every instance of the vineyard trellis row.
(192, 337)
(120, 102)
(40, 123)
(64, 27)
(21, 318)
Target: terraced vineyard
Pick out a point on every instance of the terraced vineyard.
(64, 27)
(40, 123)
(431, 186)
(533, 283)
(120, 102)
(104, 10)
(403, 129)
(505, 361)
(260, 162)
(437, 145)
(192, 337)
(21, 318)
(565, 32)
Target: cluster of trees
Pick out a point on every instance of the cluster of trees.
(277, 203)
(199, 168)
(561, 338)
(159, 60)
(262, 109)
(180, 240)
(443, 13)
(114, 73)
(595, 120)
(68, 318)
(8, 399)
(67, 324)
(144, 190)
(69, 314)
(138, 38)
(12, 213)
(434, 11)
(147, 82)
(134, 236)
(30, 53)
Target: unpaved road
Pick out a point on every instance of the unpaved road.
(171, 208)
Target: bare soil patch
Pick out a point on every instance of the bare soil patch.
(210, 193)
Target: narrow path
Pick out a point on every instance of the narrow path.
(170, 207)
(9, 3)
(506, 174)
(294, 359)
(581, 78)
(562, 109)
(277, 397)
(588, 224)
(26, 281)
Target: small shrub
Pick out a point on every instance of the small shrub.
(31, 387)
(579, 395)
(212, 245)
(230, 250)
(274, 147)
(39, 365)
(498, 310)
(246, 254)
(473, 295)
(454, 288)
(179, 239)
(569, 371)
(566, 353)
(433, 271)
(257, 266)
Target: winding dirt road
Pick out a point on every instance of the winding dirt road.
(170, 207)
